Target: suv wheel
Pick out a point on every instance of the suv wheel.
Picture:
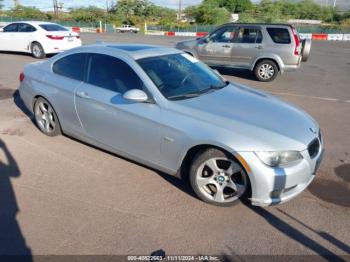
(217, 178)
(266, 71)
(37, 51)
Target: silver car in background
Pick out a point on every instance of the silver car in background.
(165, 109)
(265, 49)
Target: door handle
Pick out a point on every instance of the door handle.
(226, 46)
(259, 47)
(83, 94)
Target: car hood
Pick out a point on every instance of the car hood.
(186, 44)
(258, 121)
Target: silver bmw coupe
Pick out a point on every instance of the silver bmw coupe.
(165, 109)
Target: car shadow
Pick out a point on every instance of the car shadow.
(19, 103)
(322, 234)
(288, 230)
(334, 191)
(12, 241)
(24, 54)
(240, 73)
(16, 53)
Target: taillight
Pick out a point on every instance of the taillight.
(296, 40)
(55, 37)
(21, 77)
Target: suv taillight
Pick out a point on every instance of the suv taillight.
(296, 40)
(21, 77)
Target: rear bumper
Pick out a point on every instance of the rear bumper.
(57, 47)
(291, 68)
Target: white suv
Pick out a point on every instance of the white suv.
(127, 28)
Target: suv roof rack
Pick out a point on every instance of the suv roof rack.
(285, 24)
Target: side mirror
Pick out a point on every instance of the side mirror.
(135, 95)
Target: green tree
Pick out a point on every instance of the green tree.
(233, 6)
(207, 14)
(27, 12)
(88, 14)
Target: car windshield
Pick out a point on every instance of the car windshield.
(181, 76)
(53, 27)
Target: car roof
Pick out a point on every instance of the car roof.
(136, 51)
(263, 24)
(34, 22)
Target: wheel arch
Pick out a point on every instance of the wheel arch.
(36, 97)
(195, 149)
(277, 60)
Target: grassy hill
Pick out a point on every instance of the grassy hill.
(342, 5)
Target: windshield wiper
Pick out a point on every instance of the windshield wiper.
(184, 96)
(195, 94)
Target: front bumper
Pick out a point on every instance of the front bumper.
(271, 186)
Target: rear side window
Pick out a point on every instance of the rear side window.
(53, 27)
(279, 35)
(71, 66)
(112, 73)
(11, 28)
(249, 36)
(26, 28)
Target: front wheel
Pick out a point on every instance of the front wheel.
(217, 178)
(37, 50)
(266, 71)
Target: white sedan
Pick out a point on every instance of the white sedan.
(37, 38)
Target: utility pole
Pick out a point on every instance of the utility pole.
(180, 11)
(55, 8)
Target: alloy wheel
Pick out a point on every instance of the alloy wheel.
(266, 71)
(221, 180)
(45, 117)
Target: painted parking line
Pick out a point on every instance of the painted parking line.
(313, 97)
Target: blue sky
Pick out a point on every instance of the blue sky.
(47, 4)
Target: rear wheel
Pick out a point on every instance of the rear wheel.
(37, 50)
(266, 71)
(46, 118)
(217, 178)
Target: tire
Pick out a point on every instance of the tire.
(266, 70)
(37, 51)
(217, 178)
(46, 118)
(306, 48)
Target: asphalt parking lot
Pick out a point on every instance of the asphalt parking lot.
(59, 196)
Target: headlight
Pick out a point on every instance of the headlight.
(279, 158)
